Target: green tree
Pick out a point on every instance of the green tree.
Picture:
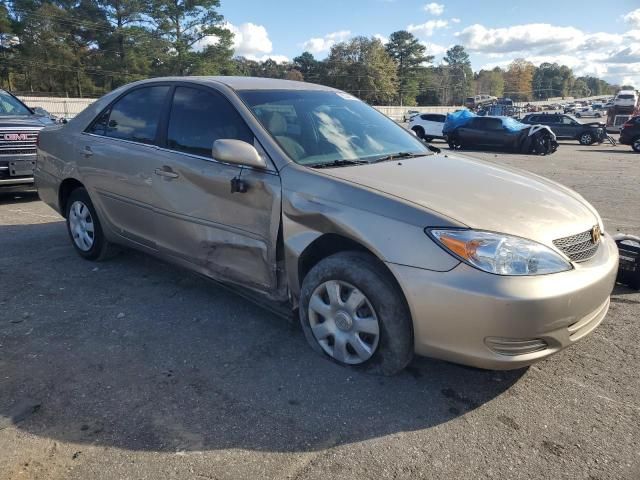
(182, 24)
(363, 68)
(490, 82)
(308, 66)
(459, 75)
(409, 55)
(518, 80)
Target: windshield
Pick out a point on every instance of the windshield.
(625, 97)
(10, 106)
(323, 127)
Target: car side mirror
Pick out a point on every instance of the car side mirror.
(237, 152)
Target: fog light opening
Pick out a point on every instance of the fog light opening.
(515, 346)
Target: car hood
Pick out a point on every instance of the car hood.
(479, 194)
(24, 121)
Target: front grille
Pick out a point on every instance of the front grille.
(578, 248)
(17, 142)
(17, 151)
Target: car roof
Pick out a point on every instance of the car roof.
(245, 83)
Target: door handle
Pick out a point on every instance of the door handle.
(87, 151)
(166, 172)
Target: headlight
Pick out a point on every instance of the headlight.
(500, 254)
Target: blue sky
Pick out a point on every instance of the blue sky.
(593, 37)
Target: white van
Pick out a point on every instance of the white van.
(626, 98)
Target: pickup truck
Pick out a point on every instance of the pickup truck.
(19, 129)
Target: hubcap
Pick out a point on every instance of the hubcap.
(586, 138)
(344, 322)
(81, 226)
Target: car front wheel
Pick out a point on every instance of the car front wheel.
(636, 145)
(352, 311)
(84, 226)
(586, 139)
(419, 131)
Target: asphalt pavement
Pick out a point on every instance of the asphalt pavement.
(135, 369)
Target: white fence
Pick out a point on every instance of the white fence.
(60, 107)
(400, 113)
(70, 107)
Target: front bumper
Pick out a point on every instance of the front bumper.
(18, 184)
(458, 315)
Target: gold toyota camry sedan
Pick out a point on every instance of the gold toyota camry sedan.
(308, 197)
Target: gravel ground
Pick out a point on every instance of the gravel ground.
(134, 369)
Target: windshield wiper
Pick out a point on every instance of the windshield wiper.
(397, 155)
(336, 163)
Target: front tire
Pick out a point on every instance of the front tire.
(636, 145)
(419, 131)
(84, 226)
(352, 311)
(586, 138)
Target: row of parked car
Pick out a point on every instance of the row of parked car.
(487, 131)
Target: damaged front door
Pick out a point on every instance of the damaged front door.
(227, 233)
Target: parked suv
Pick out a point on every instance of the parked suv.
(567, 127)
(428, 125)
(307, 196)
(630, 133)
(19, 127)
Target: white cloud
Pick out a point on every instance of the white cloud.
(433, 8)
(249, 40)
(633, 18)
(633, 35)
(434, 49)
(426, 29)
(520, 38)
(613, 57)
(323, 44)
(382, 38)
(455, 20)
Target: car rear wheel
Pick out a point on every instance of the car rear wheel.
(419, 131)
(578, 115)
(352, 312)
(586, 138)
(84, 226)
(636, 144)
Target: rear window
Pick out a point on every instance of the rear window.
(625, 97)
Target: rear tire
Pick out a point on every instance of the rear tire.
(352, 312)
(84, 227)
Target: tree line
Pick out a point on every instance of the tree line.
(86, 48)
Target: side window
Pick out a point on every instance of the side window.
(199, 118)
(136, 116)
(567, 121)
(489, 124)
(99, 125)
(440, 118)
